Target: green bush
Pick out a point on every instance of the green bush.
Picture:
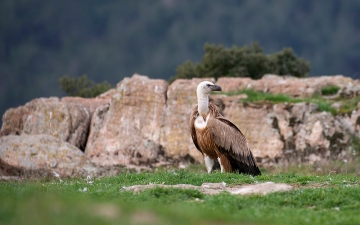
(82, 86)
(243, 62)
(329, 90)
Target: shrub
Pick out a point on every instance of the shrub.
(329, 90)
(82, 86)
(243, 62)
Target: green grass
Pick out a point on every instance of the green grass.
(256, 96)
(324, 104)
(330, 90)
(326, 199)
(348, 105)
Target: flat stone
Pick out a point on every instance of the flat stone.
(217, 188)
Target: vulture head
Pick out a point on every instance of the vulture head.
(205, 87)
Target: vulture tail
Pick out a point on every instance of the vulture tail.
(245, 164)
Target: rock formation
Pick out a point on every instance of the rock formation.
(41, 155)
(145, 123)
(51, 125)
(127, 130)
(67, 119)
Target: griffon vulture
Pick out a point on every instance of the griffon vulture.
(217, 138)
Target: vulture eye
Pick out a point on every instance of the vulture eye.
(208, 85)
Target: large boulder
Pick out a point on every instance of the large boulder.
(127, 130)
(41, 155)
(67, 119)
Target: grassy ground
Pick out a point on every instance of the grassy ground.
(324, 199)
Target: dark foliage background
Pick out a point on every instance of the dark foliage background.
(41, 41)
(243, 62)
(82, 86)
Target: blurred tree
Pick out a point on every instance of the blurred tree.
(243, 62)
(82, 86)
(287, 63)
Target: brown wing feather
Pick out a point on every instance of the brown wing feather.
(232, 143)
(193, 115)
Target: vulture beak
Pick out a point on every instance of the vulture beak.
(215, 88)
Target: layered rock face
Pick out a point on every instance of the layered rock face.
(41, 154)
(47, 135)
(67, 119)
(145, 123)
(127, 130)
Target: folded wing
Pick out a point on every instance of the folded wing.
(232, 143)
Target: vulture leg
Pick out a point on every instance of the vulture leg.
(224, 163)
(221, 166)
(209, 163)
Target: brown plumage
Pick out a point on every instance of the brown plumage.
(219, 139)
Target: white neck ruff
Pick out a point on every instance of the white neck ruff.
(203, 104)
